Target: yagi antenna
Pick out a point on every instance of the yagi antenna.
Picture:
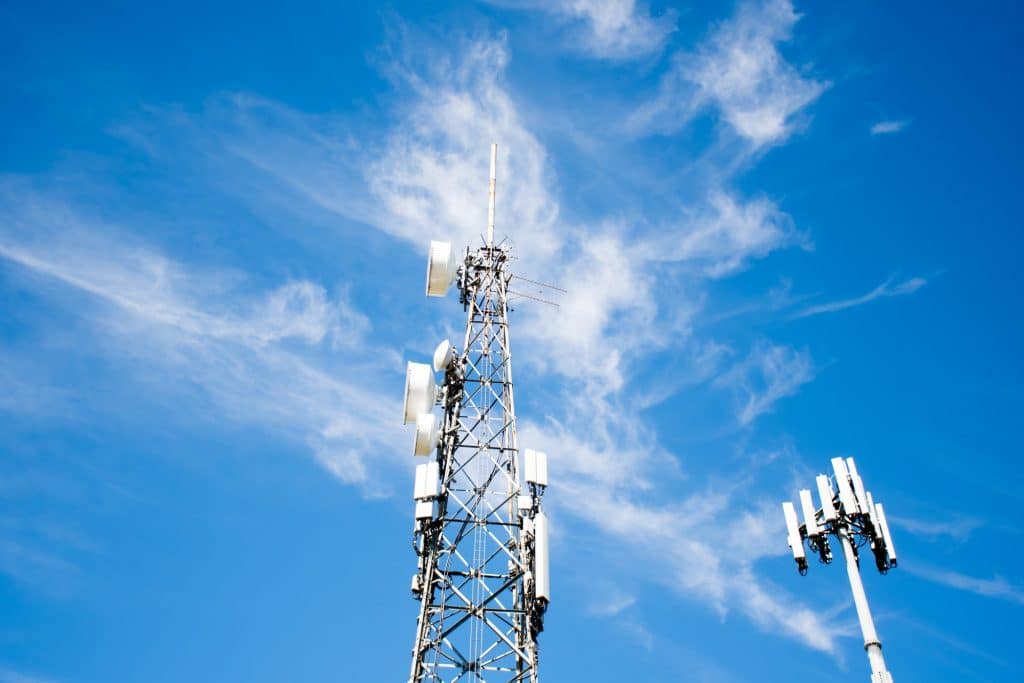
(850, 514)
(539, 284)
(533, 297)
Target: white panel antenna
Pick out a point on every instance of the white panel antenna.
(529, 464)
(846, 496)
(525, 504)
(542, 469)
(535, 467)
(810, 514)
(542, 558)
(796, 544)
(873, 514)
(433, 479)
(825, 493)
(420, 482)
(858, 485)
(886, 535)
(424, 509)
(428, 482)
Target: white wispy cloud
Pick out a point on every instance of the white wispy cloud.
(605, 456)
(606, 315)
(885, 289)
(428, 178)
(886, 127)
(996, 587)
(606, 459)
(725, 234)
(425, 177)
(769, 373)
(740, 72)
(612, 603)
(961, 647)
(29, 562)
(608, 29)
(612, 475)
(417, 180)
(11, 676)
(207, 327)
(957, 529)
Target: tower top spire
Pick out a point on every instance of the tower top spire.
(491, 190)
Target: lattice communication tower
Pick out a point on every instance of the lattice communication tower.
(480, 535)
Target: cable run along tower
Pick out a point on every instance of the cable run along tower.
(480, 535)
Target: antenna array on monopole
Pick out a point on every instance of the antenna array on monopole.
(851, 515)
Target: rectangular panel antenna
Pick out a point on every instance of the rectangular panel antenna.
(420, 482)
(428, 481)
(889, 547)
(873, 515)
(826, 494)
(810, 517)
(846, 496)
(541, 474)
(541, 558)
(530, 465)
(796, 544)
(858, 484)
(525, 504)
(433, 479)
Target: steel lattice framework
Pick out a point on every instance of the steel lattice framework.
(479, 610)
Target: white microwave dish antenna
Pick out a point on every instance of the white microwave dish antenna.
(427, 434)
(420, 391)
(444, 355)
(441, 268)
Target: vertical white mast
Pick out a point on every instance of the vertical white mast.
(491, 191)
(873, 646)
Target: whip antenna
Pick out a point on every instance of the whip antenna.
(491, 191)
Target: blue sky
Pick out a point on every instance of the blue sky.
(786, 232)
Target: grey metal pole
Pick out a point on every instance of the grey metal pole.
(490, 195)
(872, 645)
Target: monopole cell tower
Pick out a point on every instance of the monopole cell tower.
(851, 515)
(480, 534)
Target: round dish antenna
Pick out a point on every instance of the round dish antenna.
(420, 391)
(444, 354)
(427, 433)
(441, 268)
